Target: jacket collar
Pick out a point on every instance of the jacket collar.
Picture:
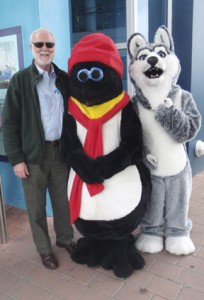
(36, 72)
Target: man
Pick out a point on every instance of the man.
(32, 123)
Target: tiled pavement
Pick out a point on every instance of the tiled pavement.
(164, 277)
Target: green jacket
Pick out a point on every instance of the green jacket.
(23, 133)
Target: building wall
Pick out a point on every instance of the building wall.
(55, 15)
(197, 86)
(20, 13)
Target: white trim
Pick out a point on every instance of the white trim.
(131, 25)
(121, 45)
(131, 16)
(136, 20)
(169, 15)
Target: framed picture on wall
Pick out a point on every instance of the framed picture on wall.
(11, 61)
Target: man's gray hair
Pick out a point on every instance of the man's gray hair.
(41, 29)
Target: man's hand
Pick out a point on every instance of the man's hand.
(21, 170)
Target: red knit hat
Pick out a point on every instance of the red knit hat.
(96, 47)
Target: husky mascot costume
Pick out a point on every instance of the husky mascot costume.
(169, 119)
(109, 185)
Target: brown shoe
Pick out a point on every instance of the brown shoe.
(49, 261)
(70, 247)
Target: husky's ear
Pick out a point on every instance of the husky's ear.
(162, 36)
(135, 41)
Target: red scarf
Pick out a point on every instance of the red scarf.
(93, 145)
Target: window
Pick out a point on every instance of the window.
(107, 16)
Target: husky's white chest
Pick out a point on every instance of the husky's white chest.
(170, 155)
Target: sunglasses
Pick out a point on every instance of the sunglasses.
(41, 44)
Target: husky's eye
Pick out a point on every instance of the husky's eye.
(162, 54)
(142, 57)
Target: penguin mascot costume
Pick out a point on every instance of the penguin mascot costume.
(102, 144)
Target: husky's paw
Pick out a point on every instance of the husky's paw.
(149, 243)
(152, 160)
(179, 245)
(168, 102)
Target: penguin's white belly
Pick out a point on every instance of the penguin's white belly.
(122, 192)
(121, 195)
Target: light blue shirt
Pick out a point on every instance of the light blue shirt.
(51, 105)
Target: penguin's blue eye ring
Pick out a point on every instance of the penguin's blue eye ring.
(95, 74)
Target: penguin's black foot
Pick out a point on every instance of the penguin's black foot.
(83, 247)
(123, 259)
(121, 256)
(90, 252)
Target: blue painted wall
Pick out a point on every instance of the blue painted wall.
(30, 15)
(11, 186)
(57, 19)
(189, 45)
(197, 86)
(24, 14)
(182, 24)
